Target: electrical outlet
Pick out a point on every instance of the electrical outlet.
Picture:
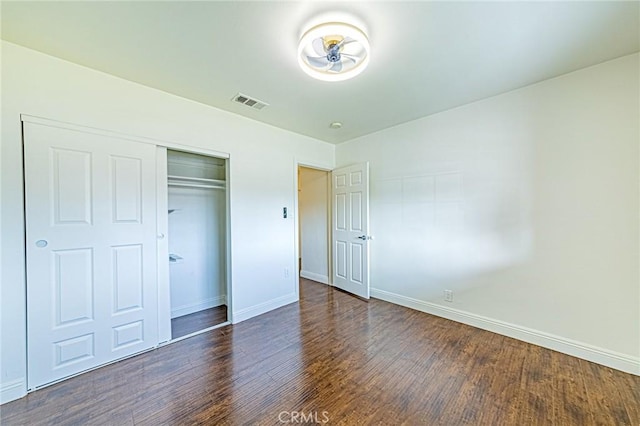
(286, 272)
(448, 296)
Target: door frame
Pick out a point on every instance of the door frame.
(310, 164)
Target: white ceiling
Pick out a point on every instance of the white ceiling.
(426, 57)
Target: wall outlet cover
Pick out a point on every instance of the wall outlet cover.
(448, 296)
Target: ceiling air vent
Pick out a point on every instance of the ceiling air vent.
(249, 101)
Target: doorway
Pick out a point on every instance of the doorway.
(197, 242)
(314, 224)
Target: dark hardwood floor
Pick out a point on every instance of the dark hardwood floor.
(340, 360)
(187, 324)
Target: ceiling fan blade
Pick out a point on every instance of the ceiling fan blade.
(349, 57)
(353, 49)
(346, 40)
(318, 46)
(318, 62)
(337, 67)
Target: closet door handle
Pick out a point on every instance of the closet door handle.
(160, 236)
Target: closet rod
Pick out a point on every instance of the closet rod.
(193, 185)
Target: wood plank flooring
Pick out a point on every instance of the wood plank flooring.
(187, 324)
(336, 359)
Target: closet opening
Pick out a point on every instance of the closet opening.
(197, 232)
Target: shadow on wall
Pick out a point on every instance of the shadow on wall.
(466, 219)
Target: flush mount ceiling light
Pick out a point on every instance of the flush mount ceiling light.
(333, 51)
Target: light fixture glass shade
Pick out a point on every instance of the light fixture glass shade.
(333, 51)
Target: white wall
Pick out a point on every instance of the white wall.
(262, 179)
(197, 234)
(525, 205)
(314, 216)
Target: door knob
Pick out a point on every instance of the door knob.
(363, 237)
(42, 243)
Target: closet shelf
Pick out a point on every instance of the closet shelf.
(196, 179)
(196, 185)
(195, 182)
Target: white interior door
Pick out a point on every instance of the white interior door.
(350, 236)
(91, 250)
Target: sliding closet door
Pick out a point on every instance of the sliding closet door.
(91, 250)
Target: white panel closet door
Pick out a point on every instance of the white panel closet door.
(350, 194)
(91, 250)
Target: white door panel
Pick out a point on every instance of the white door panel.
(91, 250)
(350, 192)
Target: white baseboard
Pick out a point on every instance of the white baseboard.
(196, 307)
(324, 279)
(13, 390)
(626, 363)
(253, 311)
